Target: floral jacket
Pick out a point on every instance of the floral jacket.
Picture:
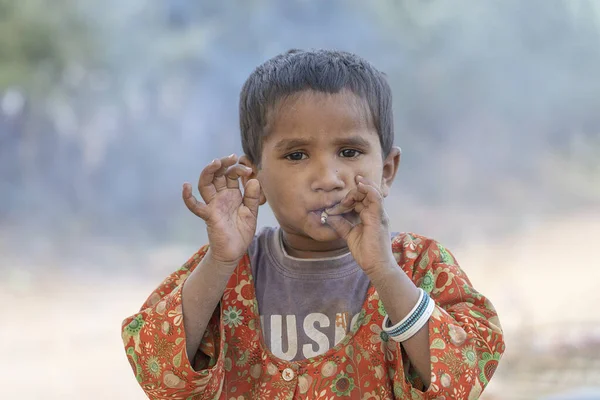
(233, 362)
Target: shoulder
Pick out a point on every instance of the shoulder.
(411, 248)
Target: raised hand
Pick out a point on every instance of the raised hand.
(369, 240)
(230, 215)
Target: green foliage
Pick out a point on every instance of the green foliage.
(38, 41)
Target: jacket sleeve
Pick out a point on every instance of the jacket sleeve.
(155, 344)
(465, 336)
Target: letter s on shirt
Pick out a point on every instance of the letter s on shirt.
(317, 336)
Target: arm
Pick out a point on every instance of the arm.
(460, 346)
(155, 342)
(200, 296)
(180, 319)
(463, 340)
(399, 294)
(230, 223)
(369, 242)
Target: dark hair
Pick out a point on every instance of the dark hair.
(324, 71)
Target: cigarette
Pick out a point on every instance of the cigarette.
(324, 218)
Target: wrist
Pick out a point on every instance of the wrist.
(380, 268)
(214, 262)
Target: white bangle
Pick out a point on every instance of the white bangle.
(422, 321)
(400, 325)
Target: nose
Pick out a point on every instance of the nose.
(327, 176)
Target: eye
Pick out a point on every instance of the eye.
(296, 156)
(350, 153)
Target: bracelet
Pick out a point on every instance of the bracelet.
(418, 324)
(413, 321)
(412, 318)
(407, 320)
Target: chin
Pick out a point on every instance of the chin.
(323, 234)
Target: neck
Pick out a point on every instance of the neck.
(304, 247)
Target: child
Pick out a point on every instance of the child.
(328, 304)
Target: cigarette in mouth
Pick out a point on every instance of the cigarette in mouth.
(324, 218)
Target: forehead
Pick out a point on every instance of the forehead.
(311, 114)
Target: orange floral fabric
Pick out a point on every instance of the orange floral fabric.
(233, 362)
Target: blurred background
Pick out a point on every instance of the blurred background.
(106, 108)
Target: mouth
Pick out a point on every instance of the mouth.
(323, 216)
(319, 211)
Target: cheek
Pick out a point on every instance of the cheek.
(370, 166)
(370, 173)
(278, 191)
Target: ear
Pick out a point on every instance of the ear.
(390, 168)
(244, 160)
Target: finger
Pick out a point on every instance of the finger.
(354, 196)
(347, 204)
(252, 196)
(206, 186)
(340, 208)
(368, 182)
(220, 181)
(373, 211)
(233, 173)
(358, 207)
(371, 194)
(340, 225)
(195, 206)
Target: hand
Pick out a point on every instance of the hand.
(369, 240)
(230, 216)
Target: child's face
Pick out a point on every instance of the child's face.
(316, 146)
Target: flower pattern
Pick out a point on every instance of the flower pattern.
(153, 366)
(244, 292)
(487, 366)
(466, 342)
(342, 385)
(469, 356)
(427, 283)
(232, 317)
(443, 279)
(382, 339)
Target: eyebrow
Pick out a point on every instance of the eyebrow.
(353, 141)
(288, 144)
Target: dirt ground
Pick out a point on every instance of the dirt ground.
(60, 333)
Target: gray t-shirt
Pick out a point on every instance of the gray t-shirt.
(306, 306)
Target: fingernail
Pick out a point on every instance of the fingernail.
(232, 155)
